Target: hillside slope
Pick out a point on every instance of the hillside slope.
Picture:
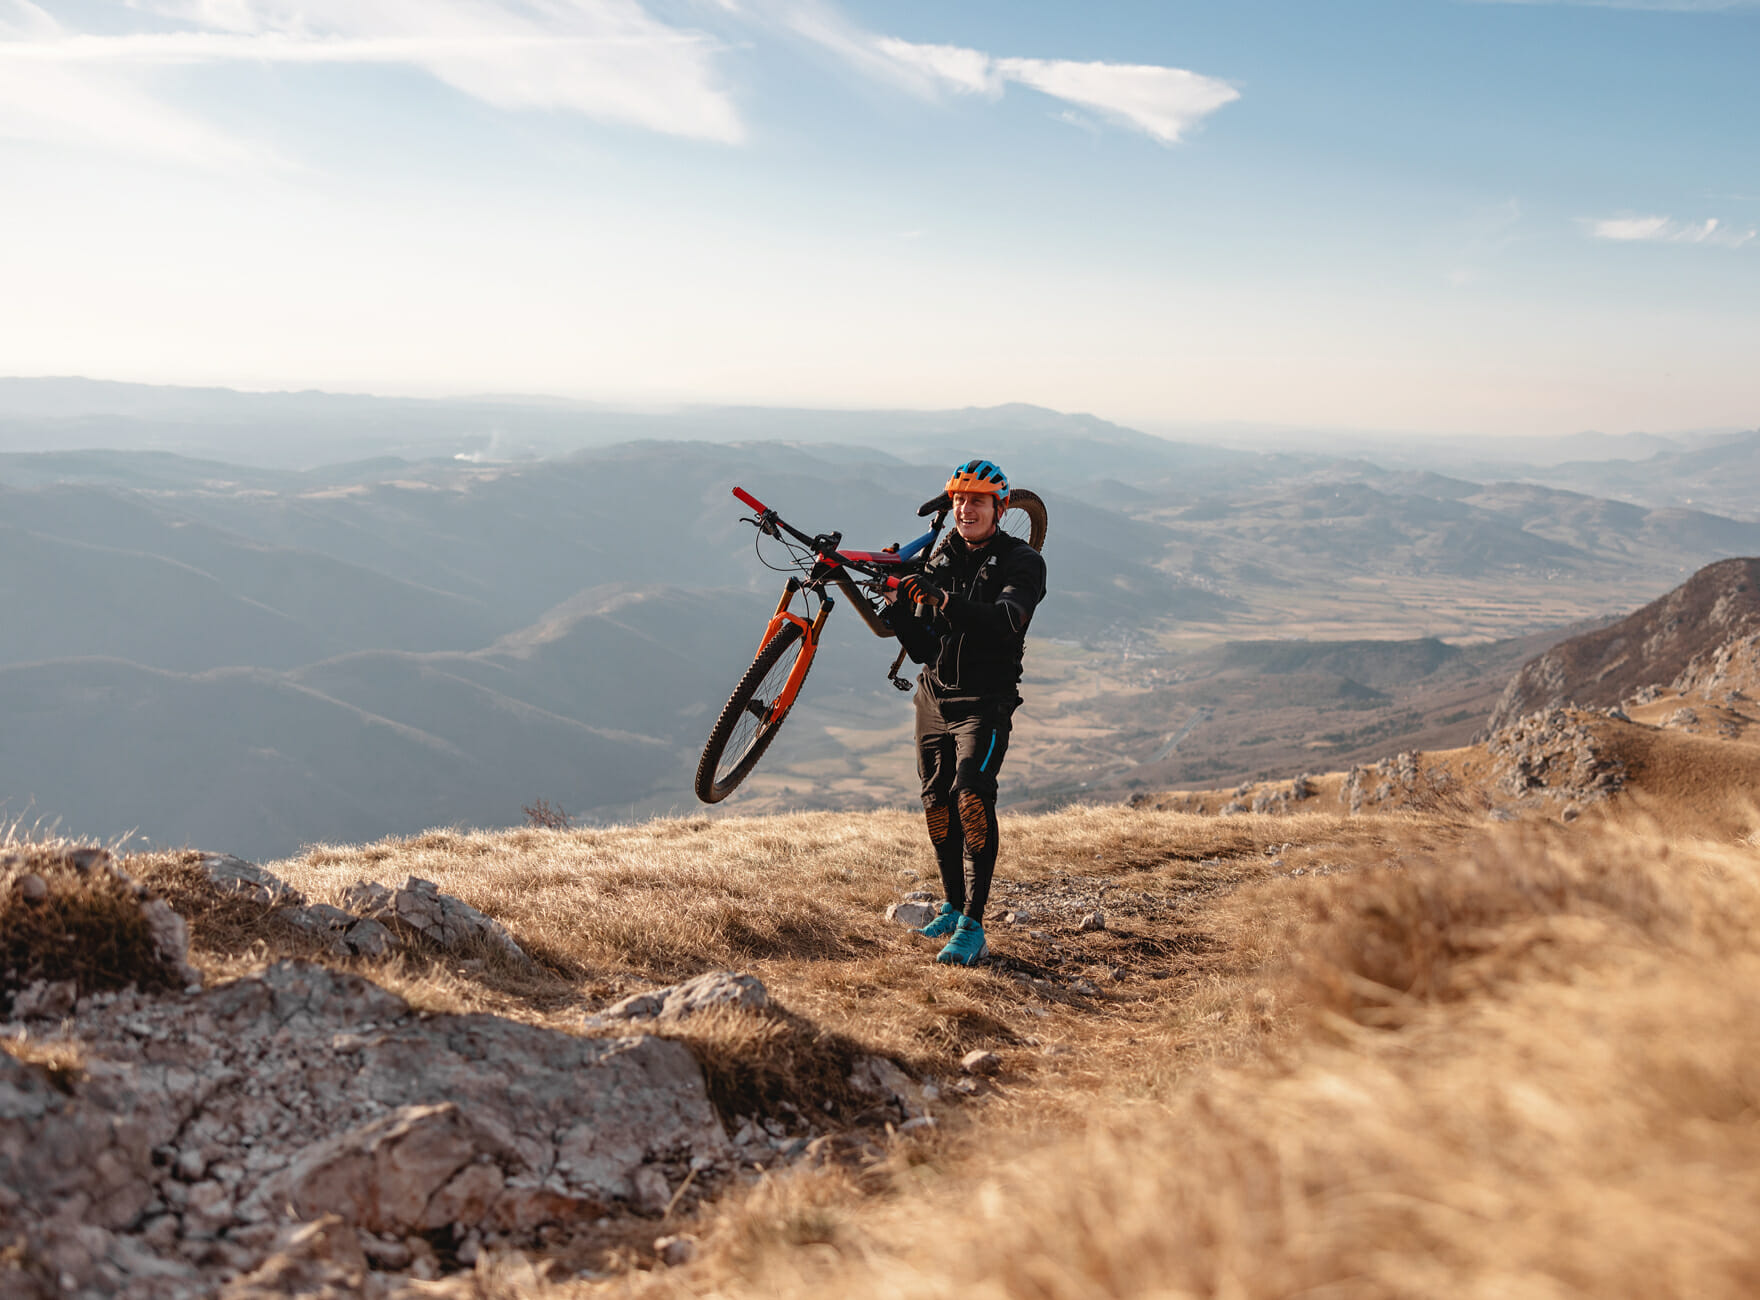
(1650, 646)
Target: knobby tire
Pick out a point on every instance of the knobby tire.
(740, 737)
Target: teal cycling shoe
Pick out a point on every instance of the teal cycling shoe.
(945, 921)
(966, 946)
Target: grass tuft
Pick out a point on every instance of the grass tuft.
(67, 914)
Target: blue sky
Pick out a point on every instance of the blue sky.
(1437, 216)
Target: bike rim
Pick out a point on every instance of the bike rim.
(1017, 523)
(755, 719)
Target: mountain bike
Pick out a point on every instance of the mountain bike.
(761, 702)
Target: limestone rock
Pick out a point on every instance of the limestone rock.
(447, 922)
(1095, 920)
(886, 1081)
(45, 1000)
(722, 988)
(412, 1169)
(675, 1250)
(911, 913)
(1557, 755)
(315, 1090)
(171, 940)
(367, 938)
(652, 1192)
(235, 875)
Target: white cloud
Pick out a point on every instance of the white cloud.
(1666, 230)
(1160, 102)
(966, 71)
(605, 59)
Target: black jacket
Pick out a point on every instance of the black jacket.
(972, 645)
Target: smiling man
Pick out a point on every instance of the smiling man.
(965, 619)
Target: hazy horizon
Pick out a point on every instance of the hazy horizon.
(1246, 434)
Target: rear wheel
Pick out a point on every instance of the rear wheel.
(1025, 518)
(750, 719)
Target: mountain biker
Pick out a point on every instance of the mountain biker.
(965, 619)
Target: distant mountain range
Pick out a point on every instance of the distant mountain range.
(309, 642)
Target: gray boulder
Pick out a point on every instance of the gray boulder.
(722, 988)
(449, 923)
(911, 913)
(236, 876)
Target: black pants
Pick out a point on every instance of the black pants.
(960, 746)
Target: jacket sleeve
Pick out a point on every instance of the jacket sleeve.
(917, 637)
(1023, 587)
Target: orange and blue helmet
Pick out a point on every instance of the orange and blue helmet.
(978, 475)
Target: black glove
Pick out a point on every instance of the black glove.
(919, 590)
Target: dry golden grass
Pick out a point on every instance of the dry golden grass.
(798, 900)
(1526, 1069)
(1380, 1056)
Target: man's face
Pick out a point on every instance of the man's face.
(974, 515)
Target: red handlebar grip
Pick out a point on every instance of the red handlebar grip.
(750, 500)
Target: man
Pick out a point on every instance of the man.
(965, 619)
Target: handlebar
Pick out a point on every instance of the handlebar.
(824, 545)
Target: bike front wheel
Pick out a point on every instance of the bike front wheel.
(752, 716)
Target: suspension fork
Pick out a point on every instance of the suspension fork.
(810, 630)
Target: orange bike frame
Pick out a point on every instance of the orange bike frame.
(809, 645)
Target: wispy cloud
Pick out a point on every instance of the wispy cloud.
(56, 101)
(604, 59)
(1666, 230)
(1161, 102)
(610, 60)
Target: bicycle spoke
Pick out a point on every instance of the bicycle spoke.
(755, 719)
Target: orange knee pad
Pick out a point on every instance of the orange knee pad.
(973, 818)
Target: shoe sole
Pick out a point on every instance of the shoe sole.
(974, 960)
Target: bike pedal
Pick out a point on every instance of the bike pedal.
(901, 683)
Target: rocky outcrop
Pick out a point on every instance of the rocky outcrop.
(376, 918)
(1724, 674)
(1556, 754)
(1391, 780)
(199, 1127)
(1655, 645)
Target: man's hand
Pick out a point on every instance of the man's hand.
(920, 591)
